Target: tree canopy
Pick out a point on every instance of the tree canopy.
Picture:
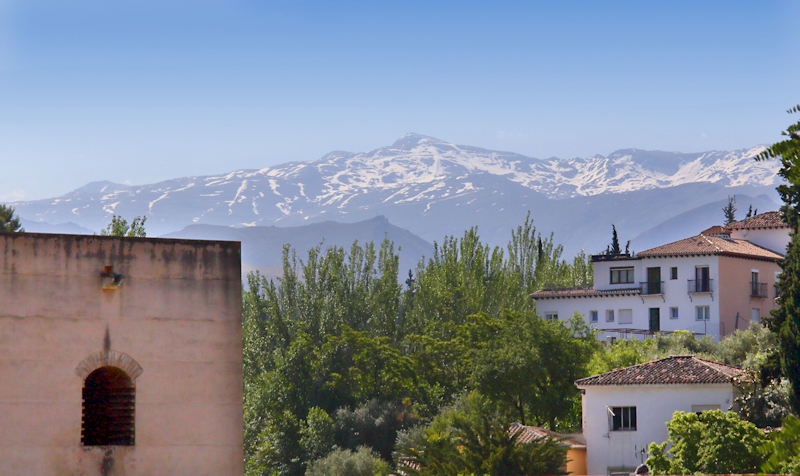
(785, 320)
(9, 222)
(712, 442)
(336, 350)
(119, 227)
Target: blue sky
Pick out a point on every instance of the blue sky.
(142, 91)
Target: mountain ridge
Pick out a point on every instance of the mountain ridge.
(428, 186)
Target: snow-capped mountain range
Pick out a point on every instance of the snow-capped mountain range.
(434, 188)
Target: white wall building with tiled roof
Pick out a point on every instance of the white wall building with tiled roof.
(709, 284)
(627, 409)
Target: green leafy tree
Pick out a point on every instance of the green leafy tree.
(763, 403)
(730, 211)
(119, 227)
(620, 354)
(342, 462)
(713, 442)
(9, 222)
(336, 337)
(784, 449)
(788, 151)
(785, 320)
(473, 438)
(318, 434)
(373, 424)
(515, 368)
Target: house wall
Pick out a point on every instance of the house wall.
(775, 239)
(735, 290)
(654, 404)
(576, 461)
(602, 273)
(675, 294)
(177, 315)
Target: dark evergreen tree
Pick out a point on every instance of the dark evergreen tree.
(785, 320)
(730, 211)
(615, 249)
(9, 222)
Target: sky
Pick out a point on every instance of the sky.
(140, 91)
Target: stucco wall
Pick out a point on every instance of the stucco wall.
(576, 461)
(775, 239)
(734, 291)
(177, 314)
(654, 404)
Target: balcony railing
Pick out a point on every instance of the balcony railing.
(700, 285)
(652, 287)
(758, 289)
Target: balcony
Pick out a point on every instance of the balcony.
(700, 286)
(758, 290)
(652, 287)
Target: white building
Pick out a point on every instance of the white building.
(627, 409)
(709, 284)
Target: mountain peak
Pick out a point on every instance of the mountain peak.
(412, 139)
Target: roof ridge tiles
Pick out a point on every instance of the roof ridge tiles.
(672, 370)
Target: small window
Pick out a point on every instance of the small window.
(610, 315)
(673, 313)
(551, 316)
(626, 316)
(594, 316)
(108, 408)
(623, 418)
(703, 313)
(673, 272)
(622, 275)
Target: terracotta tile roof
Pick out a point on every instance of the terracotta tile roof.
(716, 230)
(763, 220)
(711, 245)
(580, 293)
(531, 433)
(675, 370)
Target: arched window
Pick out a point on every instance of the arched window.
(108, 408)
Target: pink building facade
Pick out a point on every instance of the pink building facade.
(119, 356)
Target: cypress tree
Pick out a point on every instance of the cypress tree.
(785, 320)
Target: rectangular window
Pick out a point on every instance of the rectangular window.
(623, 418)
(703, 313)
(622, 275)
(626, 316)
(551, 316)
(610, 315)
(673, 272)
(673, 313)
(594, 316)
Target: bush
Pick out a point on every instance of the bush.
(339, 462)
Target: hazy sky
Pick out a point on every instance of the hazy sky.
(138, 91)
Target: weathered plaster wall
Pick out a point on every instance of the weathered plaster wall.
(177, 314)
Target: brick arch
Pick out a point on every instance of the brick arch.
(109, 358)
